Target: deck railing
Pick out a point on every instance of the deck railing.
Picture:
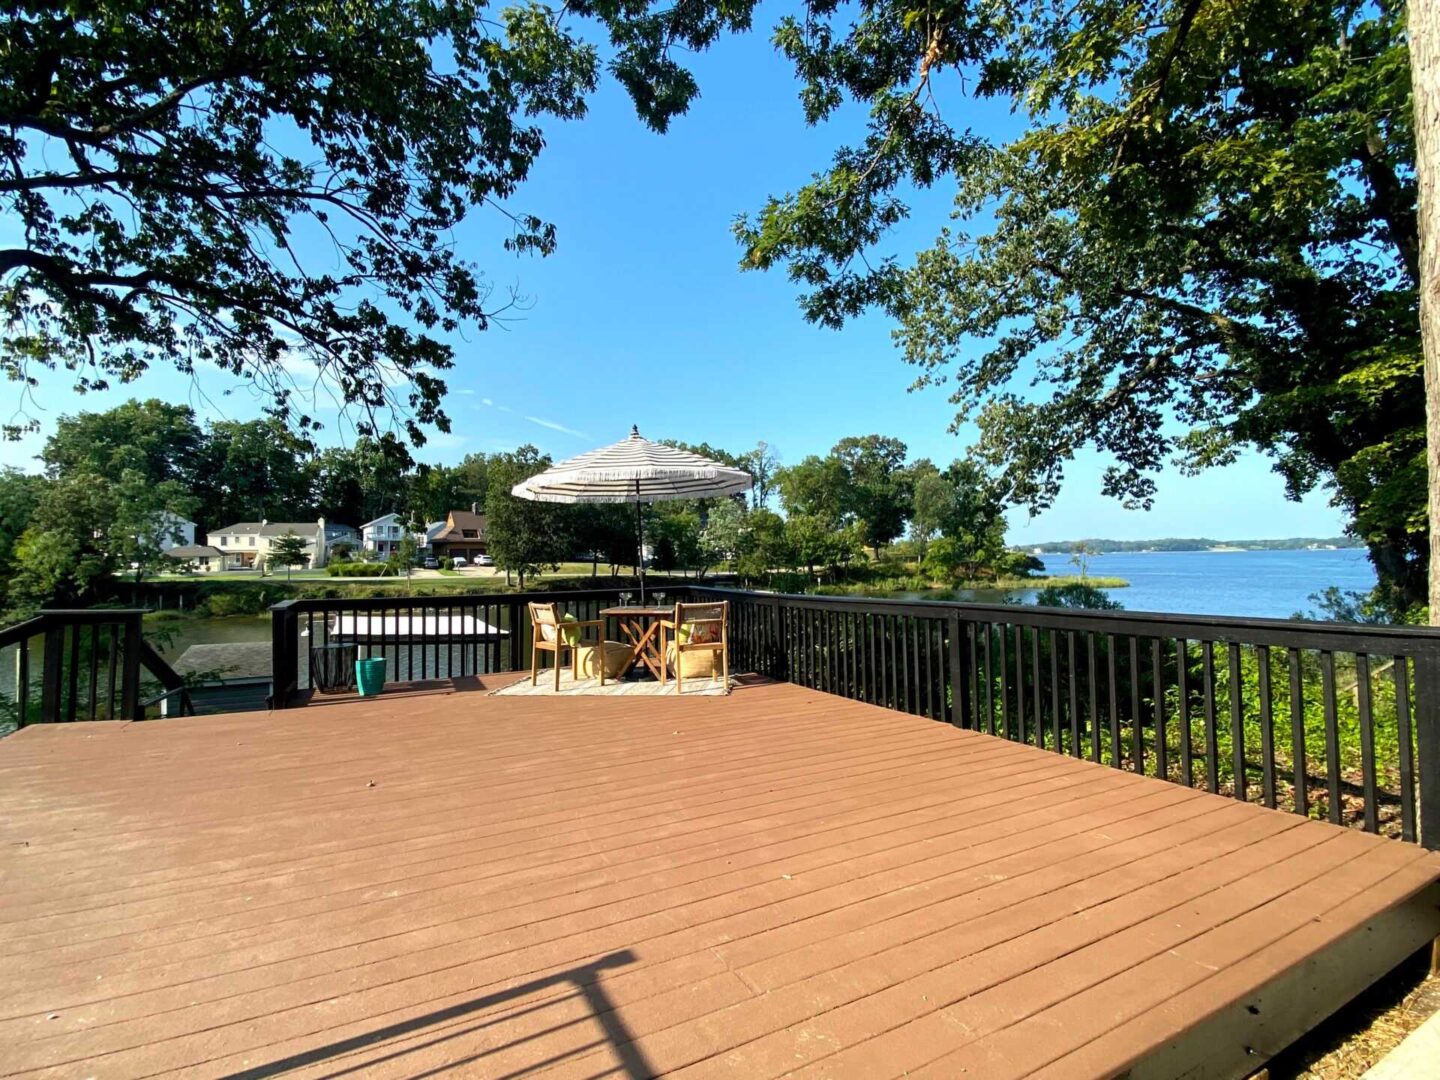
(85, 664)
(420, 637)
(1328, 720)
(1331, 720)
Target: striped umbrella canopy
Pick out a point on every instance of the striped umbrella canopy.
(634, 470)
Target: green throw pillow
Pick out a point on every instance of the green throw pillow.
(569, 634)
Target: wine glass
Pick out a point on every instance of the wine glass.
(625, 599)
(660, 599)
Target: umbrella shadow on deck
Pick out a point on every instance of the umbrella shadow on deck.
(436, 1028)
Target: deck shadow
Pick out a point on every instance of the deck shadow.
(585, 979)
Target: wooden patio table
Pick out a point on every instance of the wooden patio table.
(641, 626)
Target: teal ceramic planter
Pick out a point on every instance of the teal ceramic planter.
(370, 675)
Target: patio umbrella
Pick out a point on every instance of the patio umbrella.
(634, 470)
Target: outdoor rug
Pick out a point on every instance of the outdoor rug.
(570, 687)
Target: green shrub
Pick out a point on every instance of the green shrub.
(1076, 595)
(250, 602)
(354, 569)
(447, 563)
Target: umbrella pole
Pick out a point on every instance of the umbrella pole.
(640, 542)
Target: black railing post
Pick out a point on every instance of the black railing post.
(22, 682)
(517, 639)
(1427, 744)
(782, 647)
(284, 654)
(130, 667)
(52, 668)
(959, 674)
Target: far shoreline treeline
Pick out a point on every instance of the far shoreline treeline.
(1170, 543)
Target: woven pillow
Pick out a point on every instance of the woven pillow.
(700, 633)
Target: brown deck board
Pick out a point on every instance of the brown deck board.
(772, 882)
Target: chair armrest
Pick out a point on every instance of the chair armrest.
(585, 622)
(668, 623)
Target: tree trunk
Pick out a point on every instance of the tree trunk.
(1424, 33)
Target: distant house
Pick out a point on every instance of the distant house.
(175, 532)
(383, 536)
(198, 557)
(245, 545)
(463, 535)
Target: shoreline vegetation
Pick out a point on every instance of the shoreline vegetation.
(946, 590)
(224, 597)
(1175, 543)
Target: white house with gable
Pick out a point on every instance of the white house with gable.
(383, 536)
(245, 545)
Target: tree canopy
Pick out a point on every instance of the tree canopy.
(1202, 238)
(271, 189)
(524, 537)
(862, 480)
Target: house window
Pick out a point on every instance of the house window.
(252, 541)
(469, 534)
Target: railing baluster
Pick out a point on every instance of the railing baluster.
(920, 632)
(1096, 742)
(22, 682)
(1036, 694)
(1237, 721)
(51, 671)
(1137, 739)
(1367, 743)
(1332, 735)
(1058, 744)
(939, 656)
(1297, 734)
(955, 676)
(1114, 696)
(410, 644)
(94, 670)
(1019, 683)
(1182, 679)
(912, 641)
(72, 703)
(1157, 689)
(112, 663)
(1003, 639)
(1403, 734)
(130, 668)
(1212, 735)
(1267, 728)
(1074, 679)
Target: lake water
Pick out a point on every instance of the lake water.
(1268, 584)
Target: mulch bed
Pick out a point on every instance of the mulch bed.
(1359, 1035)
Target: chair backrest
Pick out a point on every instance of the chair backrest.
(707, 621)
(546, 618)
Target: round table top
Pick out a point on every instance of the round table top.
(636, 610)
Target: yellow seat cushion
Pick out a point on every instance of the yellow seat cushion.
(617, 659)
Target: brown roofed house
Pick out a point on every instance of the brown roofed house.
(463, 535)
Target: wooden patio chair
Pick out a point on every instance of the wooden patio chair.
(549, 631)
(696, 628)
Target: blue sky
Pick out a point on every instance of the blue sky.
(643, 317)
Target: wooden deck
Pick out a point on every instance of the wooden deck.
(770, 883)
